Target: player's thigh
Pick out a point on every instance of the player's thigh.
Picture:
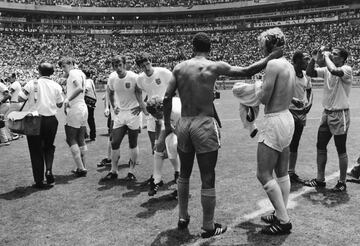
(117, 135)
(71, 135)
(282, 166)
(81, 136)
(187, 163)
(133, 138)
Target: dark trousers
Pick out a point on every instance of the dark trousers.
(42, 147)
(91, 122)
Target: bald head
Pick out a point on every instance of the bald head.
(46, 69)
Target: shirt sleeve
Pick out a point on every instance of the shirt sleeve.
(59, 96)
(347, 77)
(110, 84)
(138, 82)
(26, 90)
(3, 88)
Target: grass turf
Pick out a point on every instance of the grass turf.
(82, 211)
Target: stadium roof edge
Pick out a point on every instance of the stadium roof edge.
(69, 10)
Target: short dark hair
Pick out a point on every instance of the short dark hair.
(298, 55)
(13, 75)
(87, 73)
(118, 58)
(201, 42)
(46, 69)
(343, 52)
(66, 60)
(142, 57)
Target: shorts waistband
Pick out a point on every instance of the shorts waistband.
(276, 113)
(335, 110)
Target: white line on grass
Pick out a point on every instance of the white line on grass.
(265, 206)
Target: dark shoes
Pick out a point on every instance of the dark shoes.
(270, 218)
(130, 177)
(218, 229)
(276, 228)
(183, 223)
(253, 133)
(42, 186)
(176, 176)
(339, 187)
(79, 172)
(49, 177)
(355, 172)
(104, 162)
(109, 176)
(154, 187)
(294, 178)
(315, 183)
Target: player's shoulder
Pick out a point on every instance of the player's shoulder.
(113, 75)
(346, 67)
(132, 74)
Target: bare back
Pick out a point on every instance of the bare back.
(278, 87)
(195, 82)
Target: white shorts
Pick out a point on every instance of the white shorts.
(277, 130)
(150, 124)
(171, 145)
(77, 115)
(126, 118)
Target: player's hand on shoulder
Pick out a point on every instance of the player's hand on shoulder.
(107, 112)
(276, 53)
(116, 110)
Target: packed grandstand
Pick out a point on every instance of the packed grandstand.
(35, 30)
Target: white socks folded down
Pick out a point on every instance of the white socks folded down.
(76, 153)
(278, 193)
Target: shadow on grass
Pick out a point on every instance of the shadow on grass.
(255, 237)
(327, 198)
(136, 188)
(357, 181)
(296, 187)
(19, 192)
(107, 168)
(64, 179)
(165, 202)
(173, 237)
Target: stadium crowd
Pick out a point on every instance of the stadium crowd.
(235, 47)
(126, 3)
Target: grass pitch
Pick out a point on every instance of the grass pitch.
(82, 211)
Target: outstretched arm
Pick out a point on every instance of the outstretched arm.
(234, 71)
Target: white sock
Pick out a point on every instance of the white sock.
(273, 191)
(134, 153)
(284, 183)
(76, 153)
(115, 156)
(3, 136)
(83, 150)
(176, 163)
(158, 164)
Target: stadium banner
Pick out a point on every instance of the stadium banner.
(12, 19)
(19, 30)
(292, 22)
(103, 31)
(282, 13)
